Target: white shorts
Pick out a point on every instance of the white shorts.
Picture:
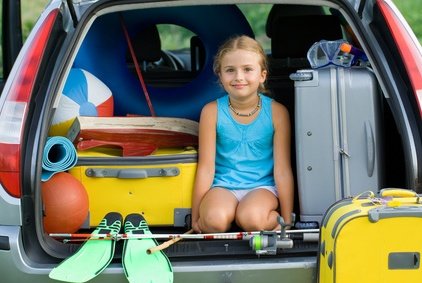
(239, 194)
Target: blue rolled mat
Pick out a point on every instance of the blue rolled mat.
(59, 155)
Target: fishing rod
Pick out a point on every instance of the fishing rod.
(206, 236)
(262, 242)
(283, 232)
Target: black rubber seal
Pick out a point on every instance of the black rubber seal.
(4, 243)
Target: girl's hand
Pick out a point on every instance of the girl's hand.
(195, 227)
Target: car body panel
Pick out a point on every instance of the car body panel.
(10, 209)
(28, 255)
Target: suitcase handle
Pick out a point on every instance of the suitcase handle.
(397, 193)
(379, 213)
(389, 192)
(370, 149)
(364, 195)
(132, 173)
(302, 75)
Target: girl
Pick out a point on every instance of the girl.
(244, 172)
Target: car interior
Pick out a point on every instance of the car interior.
(180, 82)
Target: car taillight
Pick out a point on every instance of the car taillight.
(13, 107)
(409, 48)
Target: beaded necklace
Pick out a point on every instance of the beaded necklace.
(245, 115)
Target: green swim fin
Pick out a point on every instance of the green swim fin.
(139, 266)
(93, 256)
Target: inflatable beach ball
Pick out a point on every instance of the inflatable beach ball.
(83, 95)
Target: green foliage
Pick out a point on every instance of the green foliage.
(174, 37)
(31, 10)
(256, 14)
(412, 12)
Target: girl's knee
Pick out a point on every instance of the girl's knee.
(257, 221)
(214, 223)
(249, 223)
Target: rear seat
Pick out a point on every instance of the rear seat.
(159, 67)
(291, 38)
(147, 47)
(296, 34)
(104, 53)
(293, 29)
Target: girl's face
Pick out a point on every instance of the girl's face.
(241, 73)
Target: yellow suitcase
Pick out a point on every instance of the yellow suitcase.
(372, 239)
(158, 186)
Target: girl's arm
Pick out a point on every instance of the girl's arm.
(206, 158)
(282, 163)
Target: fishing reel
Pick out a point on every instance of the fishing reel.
(268, 242)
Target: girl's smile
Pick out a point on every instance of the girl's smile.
(241, 73)
(239, 86)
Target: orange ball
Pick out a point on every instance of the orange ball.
(65, 204)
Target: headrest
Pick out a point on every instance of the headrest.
(279, 10)
(147, 44)
(294, 35)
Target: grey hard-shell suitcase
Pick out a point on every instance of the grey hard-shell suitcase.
(338, 150)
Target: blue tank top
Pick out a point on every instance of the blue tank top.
(244, 152)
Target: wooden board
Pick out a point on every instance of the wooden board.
(135, 135)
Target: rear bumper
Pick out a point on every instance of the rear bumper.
(268, 270)
(17, 267)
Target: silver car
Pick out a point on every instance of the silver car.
(367, 139)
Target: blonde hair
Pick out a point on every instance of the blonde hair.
(242, 42)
